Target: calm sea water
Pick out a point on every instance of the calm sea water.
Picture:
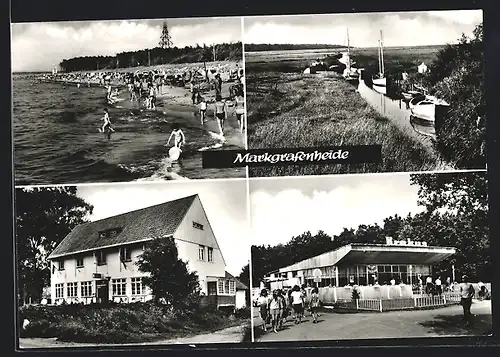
(56, 138)
(400, 114)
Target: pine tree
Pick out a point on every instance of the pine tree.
(165, 39)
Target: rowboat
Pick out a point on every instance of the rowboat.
(415, 100)
(426, 109)
(409, 95)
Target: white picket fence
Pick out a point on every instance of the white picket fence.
(407, 303)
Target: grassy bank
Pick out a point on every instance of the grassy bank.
(293, 110)
(125, 323)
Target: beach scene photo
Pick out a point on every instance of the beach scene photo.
(128, 100)
(411, 82)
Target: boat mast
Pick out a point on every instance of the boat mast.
(348, 51)
(378, 53)
(381, 53)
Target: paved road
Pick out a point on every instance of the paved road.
(233, 334)
(442, 322)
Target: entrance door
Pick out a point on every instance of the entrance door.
(102, 291)
(212, 288)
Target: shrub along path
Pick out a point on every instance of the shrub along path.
(233, 334)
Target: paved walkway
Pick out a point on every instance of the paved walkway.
(442, 322)
(233, 334)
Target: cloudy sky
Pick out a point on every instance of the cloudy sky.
(399, 28)
(223, 201)
(283, 208)
(41, 46)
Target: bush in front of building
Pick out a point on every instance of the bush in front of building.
(168, 276)
(243, 313)
(120, 323)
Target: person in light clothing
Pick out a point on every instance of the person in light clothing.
(466, 294)
(297, 303)
(439, 289)
(240, 110)
(203, 111)
(263, 303)
(428, 285)
(275, 307)
(314, 304)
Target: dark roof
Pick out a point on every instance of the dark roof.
(239, 284)
(146, 223)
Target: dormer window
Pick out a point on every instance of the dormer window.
(109, 233)
(198, 225)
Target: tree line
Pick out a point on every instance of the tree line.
(253, 47)
(155, 56)
(464, 225)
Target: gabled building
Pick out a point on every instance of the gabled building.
(95, 262)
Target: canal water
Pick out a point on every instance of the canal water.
(399, 113)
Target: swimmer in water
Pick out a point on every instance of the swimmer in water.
(113, 97)
(107, 122)
(178, 135)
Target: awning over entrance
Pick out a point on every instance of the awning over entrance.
(362, 254)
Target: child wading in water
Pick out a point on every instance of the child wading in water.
(178, 135)
(220, 113)
(263, 303)
(107, 123)
(314, 304)
(203, 110)
(240, 110)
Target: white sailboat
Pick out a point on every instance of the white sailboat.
(380, 83)
(350, 73)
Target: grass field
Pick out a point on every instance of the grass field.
(396, 59)
(289, 109)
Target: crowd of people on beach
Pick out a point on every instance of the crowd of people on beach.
(275, 308)
(145, 86)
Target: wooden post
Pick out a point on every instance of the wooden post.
(380, 304)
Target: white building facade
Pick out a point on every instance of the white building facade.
(96, 262)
